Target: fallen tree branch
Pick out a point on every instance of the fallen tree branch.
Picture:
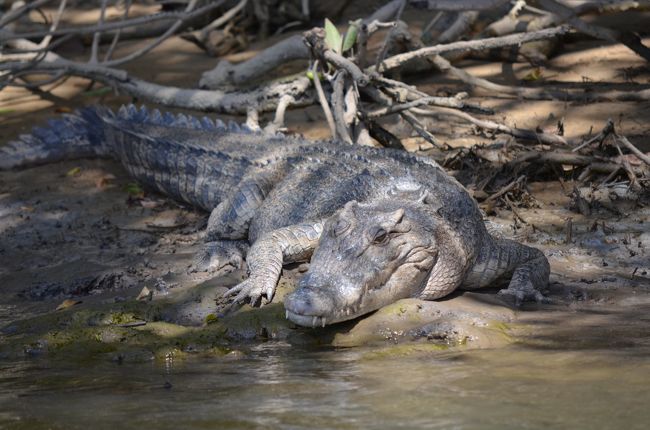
(640, 155)
(537, 93)
(629, 39)
(265, 98)
(114, 25)
(226, 73)
(338, 107)
(472, 45)
(595, 164)
(493, 126)
(290, 49)
(451, 102)
(459, 5)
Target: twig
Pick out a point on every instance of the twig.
(537, 93)
(338, 107)
(323, 100)
(450, 102)
(640, 155)
(472, 45)
(118, 33)
(158, 41)
(95, 46)
(600, 137)
(110, 26)
(55, 23)
(14, 14)
(223, 19)
(595, 164)
(628, 39)
(506, 189)
(461, 5)
(341, 62)
(389, 36)
(419, 128)
(494, 126)
(278, 121)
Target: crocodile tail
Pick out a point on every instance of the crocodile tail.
(76, 135)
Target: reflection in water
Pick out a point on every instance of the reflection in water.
(279, 386)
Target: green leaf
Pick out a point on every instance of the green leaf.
(74, 171)
(534, 75)
(98, 92)
(4, 111)
(351, 35)
(134, 189)
(332, 37)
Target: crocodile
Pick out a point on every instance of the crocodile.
(377, 225)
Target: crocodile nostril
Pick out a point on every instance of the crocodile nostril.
(308, 300)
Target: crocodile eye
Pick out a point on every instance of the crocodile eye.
(340, 227)
(380, 236)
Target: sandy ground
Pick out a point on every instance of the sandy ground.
(73, 234)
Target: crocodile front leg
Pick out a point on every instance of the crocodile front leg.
(266, 257)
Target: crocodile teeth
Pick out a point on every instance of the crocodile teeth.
(314, 321)
(286, 314)
(323, 320)
(347, 311)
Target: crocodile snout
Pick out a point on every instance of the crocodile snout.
(308, 301)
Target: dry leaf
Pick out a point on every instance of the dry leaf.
(149, 204)
(104, 180)
(67, 303)
(145, 295)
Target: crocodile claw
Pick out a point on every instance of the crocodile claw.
(517, 295)
(254, 291)
(216, 255)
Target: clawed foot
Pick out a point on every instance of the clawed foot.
(217, 255)
(519, 294)
(254, 291)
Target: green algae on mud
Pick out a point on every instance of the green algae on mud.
(136, 330)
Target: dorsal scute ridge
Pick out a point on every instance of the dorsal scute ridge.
(132, 113)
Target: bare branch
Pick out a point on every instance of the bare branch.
(472, 45)
(55, 23)
(323, 100)
(640, 155)
(265, 98)
(14, 14)
(95, 46)
(223, 19)
(170, 31)
(116, 25)
(292, 48)
(338, 107)
(537, 93)
(494, 126)
(460, 5)
(628, 39)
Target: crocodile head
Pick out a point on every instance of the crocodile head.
(369, 255)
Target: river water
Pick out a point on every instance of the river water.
(275, 385)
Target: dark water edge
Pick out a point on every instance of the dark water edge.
(275, 385)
